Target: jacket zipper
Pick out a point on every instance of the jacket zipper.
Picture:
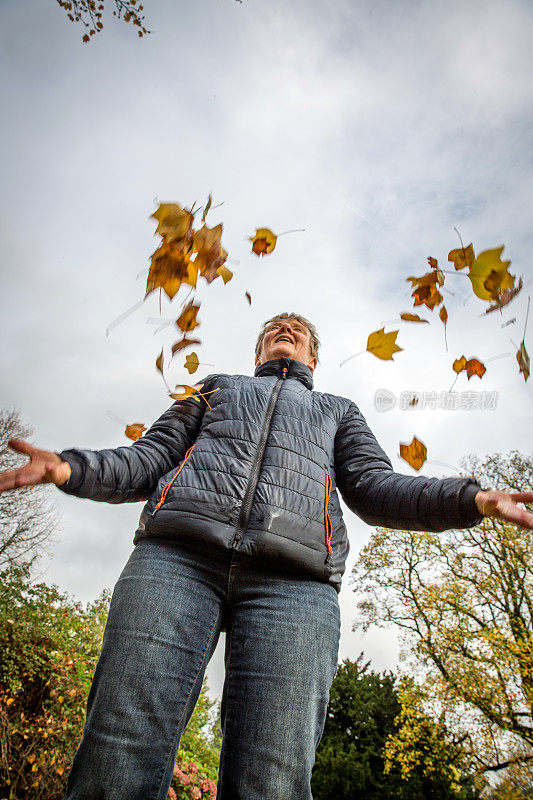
(167, 486)
(327, 520)
(246, 507)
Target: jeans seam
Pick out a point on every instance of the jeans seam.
(209, 641)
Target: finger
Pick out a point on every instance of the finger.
(21, 446)
(518, 516)
(522, 497)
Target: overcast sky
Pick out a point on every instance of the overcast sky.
(376, 126)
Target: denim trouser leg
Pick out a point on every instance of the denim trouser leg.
(165, 618)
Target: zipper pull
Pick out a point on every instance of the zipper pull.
(284, 373)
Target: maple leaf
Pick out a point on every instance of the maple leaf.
(412, 317)
(473, 366)
(522, 356)
(191, 391)
(425, 290)
(159, 362)
(489, 274)
(170, 267)
(181, 344)
(462, 257)
(187, 320)
(505, 297)
(263, 241)
(225, 273)
(443, 315)
(135, 430)
(433, 263)
(414, 453)
(383, 345)
(210, 253)
(248, 297)
(191, 363)
(174, 222)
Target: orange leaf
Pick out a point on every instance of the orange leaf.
(433, 263)
(443, 315)
(187, 320)
(415, 453)
(462, 257)
(412, 318)
(459, 364)
(475, 367)
(135, 430)
(174, 222)
(159, 362)
(181, 344)
(225, 273)
(263, 241)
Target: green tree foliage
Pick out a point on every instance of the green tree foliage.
(464, 602)
(202, 738)
(49, 645)
(350, 759)
(27, 518)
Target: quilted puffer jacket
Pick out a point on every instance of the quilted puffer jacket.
(258, 470)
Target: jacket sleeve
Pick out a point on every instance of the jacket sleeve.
(129, 474)
(380, 496)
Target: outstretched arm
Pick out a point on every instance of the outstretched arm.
(380, 496)
(123, 474)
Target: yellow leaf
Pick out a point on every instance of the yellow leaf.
(60, 770)
(383, 345)
(9, 701)
(264, 241)
(174, 222)
(225, 273)
(191, 363)
(159, 363)
(522, 356)
(462, 257)
(489, 274)
(412, 317)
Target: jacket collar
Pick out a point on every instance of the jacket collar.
(295, 369)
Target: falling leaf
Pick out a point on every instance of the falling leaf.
(473, 366)
(425, 290)
(210, 253)
(433, 263)
(462, 257)
(207, 207)
(412, 318)
(181, 344)
(264, 241)
(191, 363)
(135, 430)
(505, 297)
(170, 267)
(522, 356)
(383, 345)
(248, 297)
(443, 315)
(225, 273)
(187, 320)
(489, 274)
(415, 453)
(159, 362)
(192, 391)
(174, 222)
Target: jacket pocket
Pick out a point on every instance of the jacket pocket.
(167, 486)
(327, 518)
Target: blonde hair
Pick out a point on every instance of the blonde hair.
(315, 341)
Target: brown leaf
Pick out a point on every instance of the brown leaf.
(187, 320)
(248, 297)
(443, 315)
(505, 297)
(462, 257)
(473, 366)
(135, 430)
(159, 362)
(433, 263)
(383, 345)
(414, 453)
(522, 356)
(412, 318)
(181, 344)
(170, 267)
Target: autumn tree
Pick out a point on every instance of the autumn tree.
(350, 759)
(89, 13)
(463, 602)
(27, 519)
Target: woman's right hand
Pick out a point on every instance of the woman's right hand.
(43, 467)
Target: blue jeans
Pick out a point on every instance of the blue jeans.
(168, 608)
